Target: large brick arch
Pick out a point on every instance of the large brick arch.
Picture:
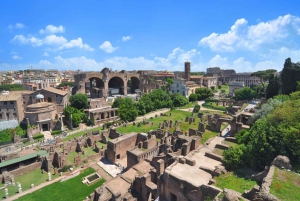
(135, 84)
(104, 77)
(116, 83)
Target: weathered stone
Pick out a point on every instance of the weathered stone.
(282, 162)
(231, 195)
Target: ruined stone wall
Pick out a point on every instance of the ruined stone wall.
(26, 169)
(118, 150)
(168, 185)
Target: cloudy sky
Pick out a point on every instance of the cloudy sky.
(141, 34)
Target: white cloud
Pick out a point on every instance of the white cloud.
(46, 54)
(55, 40)
(16, 57)
(218, 61)
(126, 38)
(52, 40)
(264, 34)
(107, 47)
(16, 26)
(20, 38)
(50, 29)
(76, 43)
(45, 62)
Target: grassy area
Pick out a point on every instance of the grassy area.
(81, 133)
(224, 125)
(176, 115)
(231, 144)
(218, 151)
(72, 189)
(88, 151)
(214, 106)
(208, 134)
(35, 177)
(232, 181)
(226, 89)
(189, 105)
(285, 185)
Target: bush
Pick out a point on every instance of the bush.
(219, 87)
(56, 132)
(38, 136)
(196, 108)
(65, 168)
(192, 97)
(233, 157)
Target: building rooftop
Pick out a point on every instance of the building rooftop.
(190, 174)
(123, 137)
(56, 91)
(23, 158)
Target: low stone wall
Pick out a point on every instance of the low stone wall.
(231, 139)
(267, 181)
(214, 156)
(26, 169)
(222, 146)
(94, 156)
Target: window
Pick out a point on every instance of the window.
(5, 103)
(11, 102)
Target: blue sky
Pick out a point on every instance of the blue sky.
(156, 35)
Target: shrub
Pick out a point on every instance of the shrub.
(38, 136)
(56, 132)
(65, 168)
(196, 108)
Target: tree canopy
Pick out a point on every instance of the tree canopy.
(79, 101)
(244, 94)
(275, 133)
(264, 77)
(290, 74)
(71, 84)
(179, 100)
(204, 93)
(127, 109)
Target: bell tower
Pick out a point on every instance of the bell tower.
(187, 70)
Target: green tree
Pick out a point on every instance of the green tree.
(290, 75)
(298, 86)
(244, 94)
(273, 86)
(127, 109)
(71, 84)
(79, 101)
(161, 99)
(203, 93)
(179, 100)
(212, 88)
(192, 97)
(264, 77)
(196, 108)
(170, 82)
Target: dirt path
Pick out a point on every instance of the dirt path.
(152, 114)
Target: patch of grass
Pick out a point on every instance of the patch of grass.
(218, 151)
(285, 185)
(176, 115)
(71, 156)
(72, 189)
(231, 144)
(207, 135)
(224, 125)
(35, 177)
(232, 181)
(81, 133)
(189, 105)
(214, 106)
(226, 89)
